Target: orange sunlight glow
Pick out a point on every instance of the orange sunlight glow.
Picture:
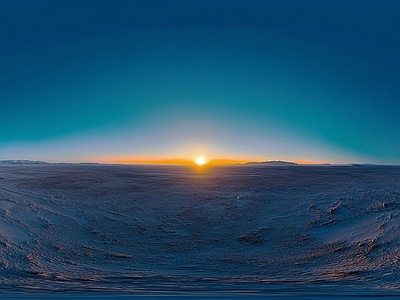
(200, 161)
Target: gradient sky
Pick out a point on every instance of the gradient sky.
(307, 81)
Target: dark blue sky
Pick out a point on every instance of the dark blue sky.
(295, 80)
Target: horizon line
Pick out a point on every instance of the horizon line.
(186, 162)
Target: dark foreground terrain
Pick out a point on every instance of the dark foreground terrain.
(244, 231)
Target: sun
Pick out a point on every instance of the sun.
(200, 161)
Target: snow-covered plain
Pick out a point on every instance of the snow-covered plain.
(288, 231)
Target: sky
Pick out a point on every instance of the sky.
(255, 80)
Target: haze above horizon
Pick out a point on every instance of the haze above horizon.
(210, 163)
(108, 81)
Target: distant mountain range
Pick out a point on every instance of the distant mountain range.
(277, 163)
(25, 162)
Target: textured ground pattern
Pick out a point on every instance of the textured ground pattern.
(142, 229)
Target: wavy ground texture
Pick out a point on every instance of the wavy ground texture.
(256, 230)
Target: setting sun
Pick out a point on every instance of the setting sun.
(200, 161)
